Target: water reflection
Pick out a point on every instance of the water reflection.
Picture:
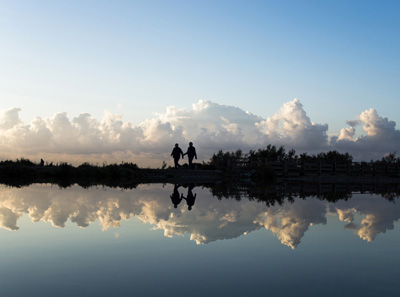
(176, 198)
(190, 198)
(204, 217)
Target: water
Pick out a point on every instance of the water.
(112, 242)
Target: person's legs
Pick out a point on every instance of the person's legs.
(190, 162)
(176, 160)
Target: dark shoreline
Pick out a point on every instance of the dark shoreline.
(259, 168)
(128, 175)
(40, 174)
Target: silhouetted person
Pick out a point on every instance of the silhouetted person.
(41, 162)
(176, 154)
(190, 198)
(175, 197)
(191, 152)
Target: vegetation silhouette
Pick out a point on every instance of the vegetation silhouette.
(287, 192)
(23, 172)
(265, 165)
(258, 168)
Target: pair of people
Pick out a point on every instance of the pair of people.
(176, 198)
(177, 153)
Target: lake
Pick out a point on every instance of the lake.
(164, 240)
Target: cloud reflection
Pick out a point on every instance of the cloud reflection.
(208, 220)
(289, 222)
(376, 217)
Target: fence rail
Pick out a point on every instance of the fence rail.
(309, 168)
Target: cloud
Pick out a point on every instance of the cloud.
(9, 119)
(381, 137)
(292, 127)
(209, 125)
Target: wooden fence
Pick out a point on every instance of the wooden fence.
(317, 168)
(289, 169)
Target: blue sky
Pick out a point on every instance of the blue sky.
(135, 58)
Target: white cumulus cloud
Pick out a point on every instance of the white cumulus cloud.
(210, 126)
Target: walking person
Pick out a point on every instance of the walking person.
(176, 154)
(191, 152)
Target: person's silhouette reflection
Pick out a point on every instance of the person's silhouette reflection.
(176, 198)
(190, 198)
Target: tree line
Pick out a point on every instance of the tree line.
(274, 153)
(246, 167)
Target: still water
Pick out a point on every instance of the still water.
(113, 242)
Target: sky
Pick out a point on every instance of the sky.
(113, 81)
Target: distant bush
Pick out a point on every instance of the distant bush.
(23, 171)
